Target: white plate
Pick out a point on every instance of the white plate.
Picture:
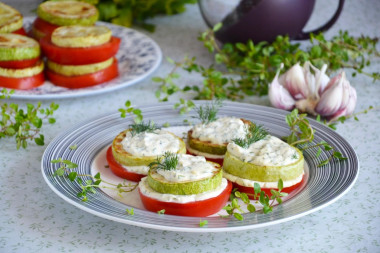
(322, 186)
(138, 57)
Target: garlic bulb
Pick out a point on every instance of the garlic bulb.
(311, 90)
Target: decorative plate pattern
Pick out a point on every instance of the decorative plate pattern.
(138, 57)
(323, 185)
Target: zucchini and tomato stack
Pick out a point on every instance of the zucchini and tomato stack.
(184, 185)
(210, 139)
(80, 56)
(54, 14)
(20, 64)
(11, 20)
(263, 159)
(135, 148)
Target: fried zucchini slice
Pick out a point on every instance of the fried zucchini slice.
(208, 147)
(65, 13)
(10, 19)
(237, 167)
(25, 72)
(77, 70)
(125, 158)
(81, 36)
(18, 47)
(159, 184)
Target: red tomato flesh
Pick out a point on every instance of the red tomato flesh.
(79, 56)
(19, 64)
(20, 31)
(215, 160)
(83, 81)
(119, 171)
(200, 208)
(23, 83)
(44, 27)
(250, 190)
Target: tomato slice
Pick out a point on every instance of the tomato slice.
(79, 56)
(82, 81)
(23, 83)
(20, 31)
(200, 208)
(250, 190)
(44, 27)
(19, 64)
(215, 160)
(119, 171)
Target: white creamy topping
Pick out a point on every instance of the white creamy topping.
(199, 153)
(251, 183)
(143, 170)
(221, 131)
(189, 168)
(270, 151)
(150, 143)
(147, 191)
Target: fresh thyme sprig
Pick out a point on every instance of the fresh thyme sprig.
(168, 161)
(254, 134)
(246, 69)
(24, 125)
(137, 128)
(267, 202)
(302, 135)
(88, 186)
(138, 117)
(208, 113)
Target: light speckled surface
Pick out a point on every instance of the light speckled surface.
(34, 219)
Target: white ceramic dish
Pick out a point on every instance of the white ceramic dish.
(323, 185)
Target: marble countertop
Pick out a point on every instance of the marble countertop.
(34, 219)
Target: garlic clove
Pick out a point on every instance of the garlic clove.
(335, 97)
(294, 81)
(349, 109)
(279, 96)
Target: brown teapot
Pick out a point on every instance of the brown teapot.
(261, 20)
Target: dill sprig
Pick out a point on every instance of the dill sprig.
(168, 161)
(140, 127)
(208, 112)
(254, 134)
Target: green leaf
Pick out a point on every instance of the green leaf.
(72, 175)
(251, 208)
(280, 184)
(238, 216)
(203, 223)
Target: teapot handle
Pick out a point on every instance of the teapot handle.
(306, 35)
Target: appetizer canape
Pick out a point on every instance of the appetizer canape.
(134, 149)
(184, 185)
(79, 56)
(20, 64)
(11, 20)
(53, 14)
(211, 136)
(264, 159)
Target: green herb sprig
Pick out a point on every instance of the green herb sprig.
(254, 134)
(128, 12)
(302, 135)
(129, 110)
(137, 128)
(267, 202)
(24, 125)
(203, 223)
(88, 185)
(246, 69)
(208, 113)
(168, 161)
